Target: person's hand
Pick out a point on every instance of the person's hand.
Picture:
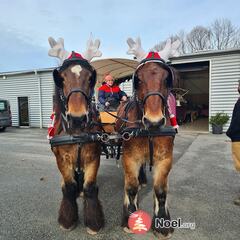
(124, 98)
(107, 104)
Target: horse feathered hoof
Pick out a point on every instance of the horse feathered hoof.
(93, 212)
(67, 225)
(68, 229)
(127, 230)
(91, 232)
(68, 212)
(160, 236)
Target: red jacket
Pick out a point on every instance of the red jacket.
(106, 92)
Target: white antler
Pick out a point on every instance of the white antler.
(136, 49)
(92, 49)
(175, 48)
(170, 49)
(57, 49)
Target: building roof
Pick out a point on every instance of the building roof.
(26, 71)
(207, 53)
(104, 64)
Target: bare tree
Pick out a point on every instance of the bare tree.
(159, 46)
(199, 39)
(180, 36)
(224, 34)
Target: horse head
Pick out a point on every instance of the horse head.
(75, 80)
(152, 82)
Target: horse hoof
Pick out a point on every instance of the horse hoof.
(161, 236)
(127, 230)
(68, 229)
(91, 232)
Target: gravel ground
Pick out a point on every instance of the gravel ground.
(202, 187)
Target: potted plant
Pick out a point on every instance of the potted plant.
(217, 121)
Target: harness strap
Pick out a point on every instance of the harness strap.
(152, 94)
(79, 174)
(77, 90)
(122, 119)
(150, 143)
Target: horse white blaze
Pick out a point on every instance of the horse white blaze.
(76, 70)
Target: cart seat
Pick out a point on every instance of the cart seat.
(108, 121)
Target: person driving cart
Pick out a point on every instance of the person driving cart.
(109, 94)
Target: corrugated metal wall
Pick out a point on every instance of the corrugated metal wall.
(225, 73)
(47, 91)
(127, 87)
(21, 85)
(27, 85)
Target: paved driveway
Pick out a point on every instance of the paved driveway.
(203, 184)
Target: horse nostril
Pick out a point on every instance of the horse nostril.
(146, 122)
(162, 122)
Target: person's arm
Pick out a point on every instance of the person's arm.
(122, 95)
(101, 96)
(234, 127)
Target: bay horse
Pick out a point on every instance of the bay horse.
(152, 82)
(78, 163)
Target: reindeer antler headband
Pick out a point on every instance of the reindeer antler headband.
(170, 49)
(57, 49)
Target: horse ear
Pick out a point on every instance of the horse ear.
(175, 77)
(93, 79)
(58, 80)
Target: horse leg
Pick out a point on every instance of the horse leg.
(93, 213)
(160, 181)
(131, 170)
(68, 212)
(142, 177)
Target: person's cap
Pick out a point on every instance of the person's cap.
(108, 77)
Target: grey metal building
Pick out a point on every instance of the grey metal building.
(211, 77)
(30, 94)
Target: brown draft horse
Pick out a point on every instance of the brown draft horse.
(74, 111)
(152, 83)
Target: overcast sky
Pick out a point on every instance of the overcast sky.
(26, 25)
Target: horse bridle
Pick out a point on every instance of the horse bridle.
(152, 93)
(65, 99)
